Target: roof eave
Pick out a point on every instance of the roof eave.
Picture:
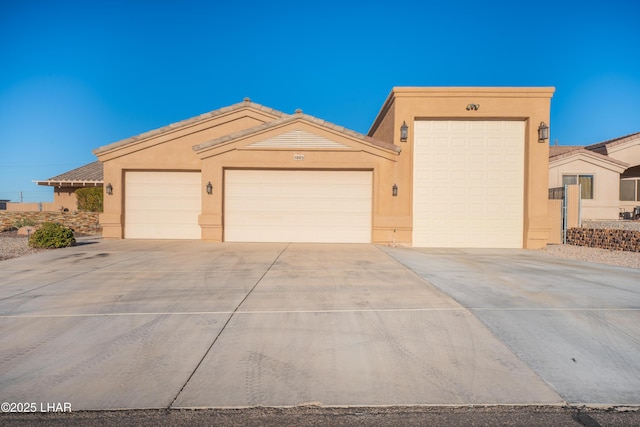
(292, 118)
(55, 183)
(614, 141)
(246, 104)
(617, 164)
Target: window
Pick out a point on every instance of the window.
(630, 190)
(586, 182)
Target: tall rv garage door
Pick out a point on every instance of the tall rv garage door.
(297, 206)
(162, 205)
(468, 184)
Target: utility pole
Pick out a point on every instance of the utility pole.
(20, 196)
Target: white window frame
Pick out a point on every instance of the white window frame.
(577, 176)
(635, 189)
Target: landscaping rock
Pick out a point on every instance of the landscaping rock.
(26, 231)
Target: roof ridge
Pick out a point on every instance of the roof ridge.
(245, 103)
(563, 149)
(583, 150)
(613, 141)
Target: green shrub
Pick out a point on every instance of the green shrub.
(89, 199)
(24, 222)
(52, 235)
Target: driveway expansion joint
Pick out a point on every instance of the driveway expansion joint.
(204, 356)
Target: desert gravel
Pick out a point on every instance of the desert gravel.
(13, 246)
(595, 255)
(618, 225)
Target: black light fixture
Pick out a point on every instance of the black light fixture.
(404, 132)
(109, 189)
(394, 190)
(543, 132)
(209, 188)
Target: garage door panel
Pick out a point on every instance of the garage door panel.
(294, 219)
(162, 205)
(468, 168)
(296, 235)
(298, 206)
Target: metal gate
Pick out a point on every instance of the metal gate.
(564, 212)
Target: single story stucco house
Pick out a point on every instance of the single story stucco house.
(65, 185)
(609, 174)
(439, 167)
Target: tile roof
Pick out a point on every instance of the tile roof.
(601, 147)
(246, 103)
(91, 173)
(556, 150)
(290, 118)
(562, 152)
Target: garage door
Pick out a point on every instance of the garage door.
(162, 205)
(297, 206)
(468, 184)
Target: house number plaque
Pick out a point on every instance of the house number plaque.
(298, 157)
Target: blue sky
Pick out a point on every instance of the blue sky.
(77, 75)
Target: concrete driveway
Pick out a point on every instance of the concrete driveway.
(183, 324)
(576, 324)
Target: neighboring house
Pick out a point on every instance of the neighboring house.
(66, 184)
(609, 173)
(440, 167)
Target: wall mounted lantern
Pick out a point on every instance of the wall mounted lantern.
(394, 190)
(109, 189)
(404, 132)
(543, 132)
(209, 188)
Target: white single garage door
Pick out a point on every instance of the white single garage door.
(162, 205)
(297, 206)
(468, 184)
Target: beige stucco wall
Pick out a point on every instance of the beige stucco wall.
(31, 207)
(65, 198)
(606, 184)
(628, 152)
(168, 150)
(236, 155)
(555, 220)
(392, 216)
(531, 105)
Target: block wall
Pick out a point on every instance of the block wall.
(80, 222)
(619, 240)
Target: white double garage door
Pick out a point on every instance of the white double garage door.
(468, 191)
(259, 205)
